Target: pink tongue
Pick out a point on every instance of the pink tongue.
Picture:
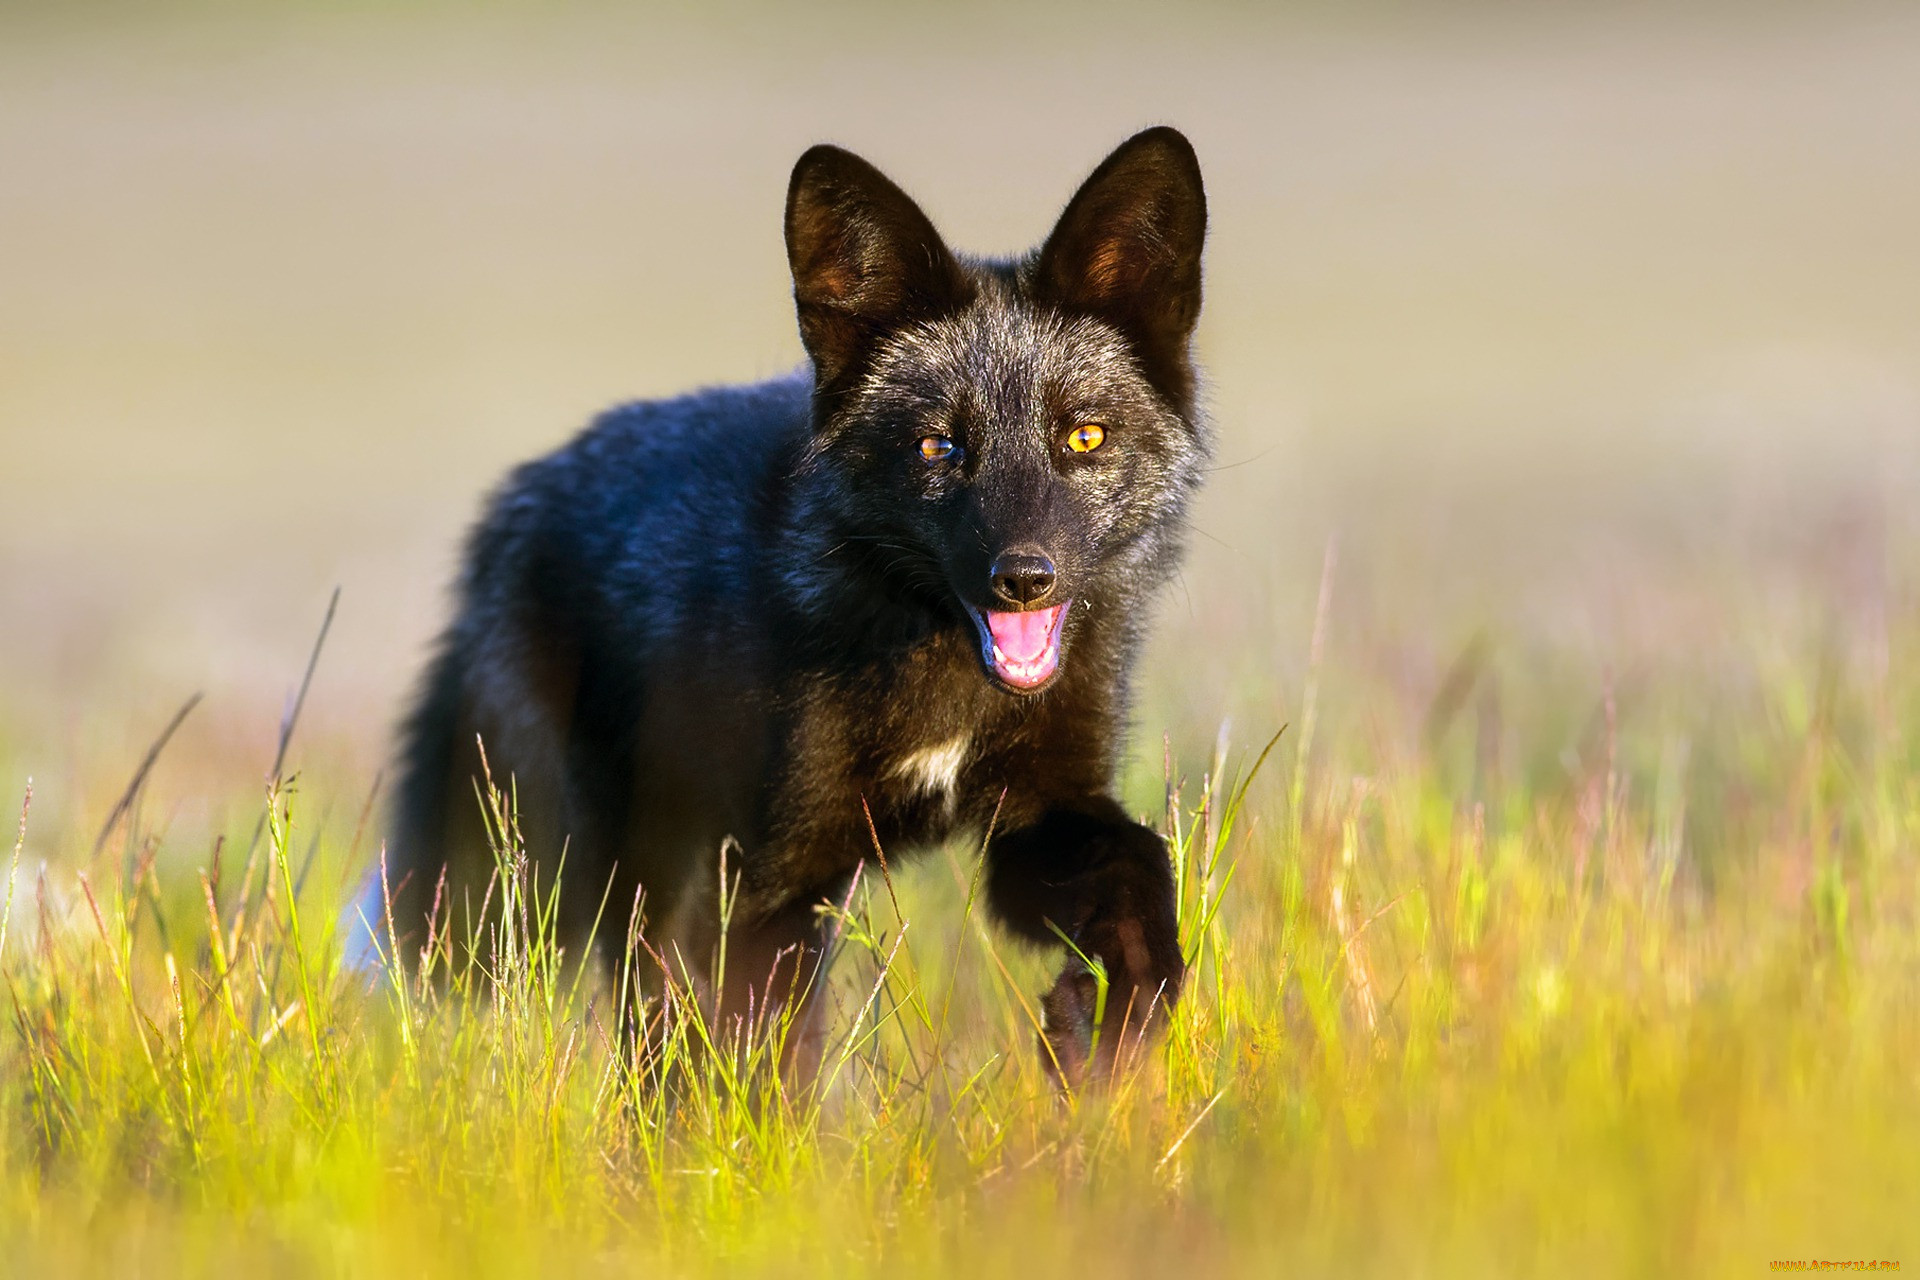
(1023, 637)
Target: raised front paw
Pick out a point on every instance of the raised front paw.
(1097, 1024)
(1090, 877)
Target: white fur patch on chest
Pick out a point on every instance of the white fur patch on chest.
(934, 770)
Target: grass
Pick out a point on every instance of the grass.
(1650, 1010)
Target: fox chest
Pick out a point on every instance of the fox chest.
(914, 789)
(851, 781)
(928, 777)
(910, 755)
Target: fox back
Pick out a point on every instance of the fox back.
(903, 587)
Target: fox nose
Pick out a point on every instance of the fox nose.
(1023, 577)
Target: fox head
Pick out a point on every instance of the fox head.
(1008, 442)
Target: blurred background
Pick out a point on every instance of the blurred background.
(1583, 345)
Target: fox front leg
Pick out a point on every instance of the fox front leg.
(1088, 874)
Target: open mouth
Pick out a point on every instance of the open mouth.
(1022, 648)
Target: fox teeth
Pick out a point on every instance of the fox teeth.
(1020, 668)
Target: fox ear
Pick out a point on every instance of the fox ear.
(1127, 249)
(864, 259)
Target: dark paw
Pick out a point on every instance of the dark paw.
(1066, 1035)
(1089, 877)
(1089, 1039)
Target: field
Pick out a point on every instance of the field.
(1536, 727)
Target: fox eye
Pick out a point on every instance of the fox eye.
(1086, 437)
(937, 448)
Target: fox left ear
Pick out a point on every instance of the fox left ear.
(865, 260)
(1127, 250)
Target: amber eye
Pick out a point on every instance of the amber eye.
(1086, 437)
(936, 448)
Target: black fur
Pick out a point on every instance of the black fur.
(739, 614)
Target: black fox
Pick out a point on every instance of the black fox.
(908, 581)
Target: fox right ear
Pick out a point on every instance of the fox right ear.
(1128, 247)
(865, 260)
